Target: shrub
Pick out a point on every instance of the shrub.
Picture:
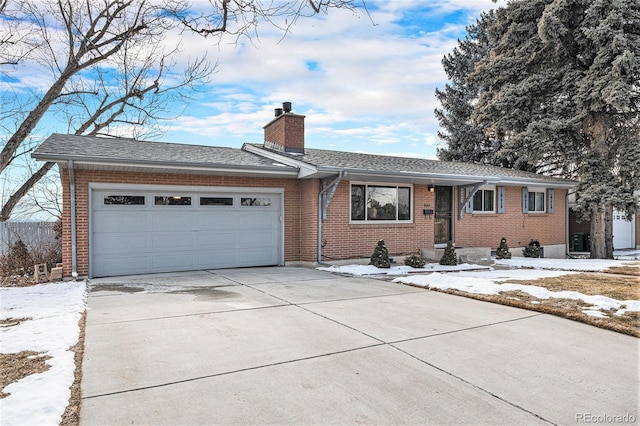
(414, 261)
(18, 261)
(503, 250)
(380, 256)
(532, 250)
(449, 257)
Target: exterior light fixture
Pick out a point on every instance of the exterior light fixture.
(431, 188)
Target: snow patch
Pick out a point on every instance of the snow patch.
(55, 310)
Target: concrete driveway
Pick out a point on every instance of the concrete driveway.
(301, 346)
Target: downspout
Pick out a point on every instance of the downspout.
(72, 195)
(324, 191)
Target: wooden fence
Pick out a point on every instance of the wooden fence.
(34, 234)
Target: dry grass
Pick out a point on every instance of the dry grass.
(615, 286)
(71, 416)
(15, 367)
(631, 269)
(620, 287)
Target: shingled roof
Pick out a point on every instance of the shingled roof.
(131, 154)
(327, 162)
(125, 153)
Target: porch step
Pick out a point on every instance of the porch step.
(476, 255)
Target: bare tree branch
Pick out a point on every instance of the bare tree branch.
(119, 43)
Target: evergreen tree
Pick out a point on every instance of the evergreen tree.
(503, 250)
(561, 86)
(466, 140)
(380, 256)
(449, 257)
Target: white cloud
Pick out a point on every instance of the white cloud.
(363, 81)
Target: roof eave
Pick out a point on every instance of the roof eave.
(173, 166)
(450, 179)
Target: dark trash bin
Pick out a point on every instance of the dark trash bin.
(576, 242)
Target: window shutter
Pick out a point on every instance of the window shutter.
(501, 199)
(469, 207)
(552, 200)
(525, 200)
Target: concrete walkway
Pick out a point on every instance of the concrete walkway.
(301, 346)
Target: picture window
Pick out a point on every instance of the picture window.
(377, 203)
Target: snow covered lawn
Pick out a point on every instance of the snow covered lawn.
(44, 319)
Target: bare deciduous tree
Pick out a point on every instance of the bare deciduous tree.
(105, 69)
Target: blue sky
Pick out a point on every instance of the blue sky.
(364, 83)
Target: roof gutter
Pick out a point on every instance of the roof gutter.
(72, 202)
(459, 179)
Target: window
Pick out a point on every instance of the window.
(258, 202)
(216, 201)
(175, 200)
(124, 200)
(484, 201)
(536, 201)
(380, 203)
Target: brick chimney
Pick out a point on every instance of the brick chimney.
(286, 131)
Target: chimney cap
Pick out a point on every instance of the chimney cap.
(286, 106)
(278, 112)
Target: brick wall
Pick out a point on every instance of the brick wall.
(84, 177)
(485, 230)
(343, 240)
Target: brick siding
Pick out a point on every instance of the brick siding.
(486, 230)
(341, 239)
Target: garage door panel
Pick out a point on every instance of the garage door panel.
(256, 239)
(216, 259)
(208, 240)
(257, 219)
(256, 257)
(124, 265)
(173, 262)
(172, 220)
(217, 219)
(174, 241)
(121, 221)
(127, 243)
(129, 239)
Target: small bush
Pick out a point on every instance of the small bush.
(414, 261)
(18, 261)
(380, 256)
(532, 250)
(503, 250)
(449, 257)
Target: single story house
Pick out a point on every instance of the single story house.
(133, 206)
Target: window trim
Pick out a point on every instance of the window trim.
(495, 200)
(542, 191)
(384, 185)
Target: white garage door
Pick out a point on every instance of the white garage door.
(623, 231)
(161, 231)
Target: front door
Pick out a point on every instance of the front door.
(443, 214)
